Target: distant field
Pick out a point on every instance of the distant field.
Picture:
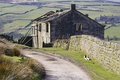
(4, 4)
(37, 13)
(17, 9)
(93, 9)
(114, 31)
(14, 25)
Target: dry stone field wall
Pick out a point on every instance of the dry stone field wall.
(107, 53)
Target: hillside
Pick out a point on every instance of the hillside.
(6, 0)
(15, 19)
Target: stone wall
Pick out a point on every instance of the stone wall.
(62, 44)
(107, 53)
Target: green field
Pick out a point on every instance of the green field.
(4, 5)
(114, 31)
(17, 9)
(21, 20)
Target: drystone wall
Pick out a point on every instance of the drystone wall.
(107, 53)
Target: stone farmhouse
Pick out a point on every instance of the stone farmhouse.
(62, 25)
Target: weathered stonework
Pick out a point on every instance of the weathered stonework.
(107, 53)
(61, 25)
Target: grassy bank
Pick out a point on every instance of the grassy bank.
(14, 66)
(96, 71)
(93, 9)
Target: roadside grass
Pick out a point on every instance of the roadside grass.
(10, 70)
(20, 46)
(15, 66)
(95, 69)
(14, 59)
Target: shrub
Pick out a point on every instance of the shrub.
(11, 70)
(28, 69)
(16, 51)
(8, 52)
(11, 52)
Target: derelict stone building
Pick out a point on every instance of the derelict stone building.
(62, 25)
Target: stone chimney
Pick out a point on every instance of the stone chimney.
(73, 7)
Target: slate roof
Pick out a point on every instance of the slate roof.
(49, 16)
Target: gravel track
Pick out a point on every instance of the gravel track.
(58, 69)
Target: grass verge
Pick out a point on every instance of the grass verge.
(14, 66)
(14, 59)
(20, 69)
(95, 69)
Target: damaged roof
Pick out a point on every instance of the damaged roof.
(49, 16)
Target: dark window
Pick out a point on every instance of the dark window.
(47, 27)
(78, 27)
(40, 27)
(85, 26)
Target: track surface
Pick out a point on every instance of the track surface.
(58, 69)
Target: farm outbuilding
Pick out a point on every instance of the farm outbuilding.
(62, 25)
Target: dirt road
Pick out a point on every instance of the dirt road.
(58, 69)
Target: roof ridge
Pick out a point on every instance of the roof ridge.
(90, 19)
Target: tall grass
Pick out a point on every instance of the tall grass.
(38, 69)
(10, 51)
(13, 71)
(10, 70)
(16, 51)
(25, 69)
